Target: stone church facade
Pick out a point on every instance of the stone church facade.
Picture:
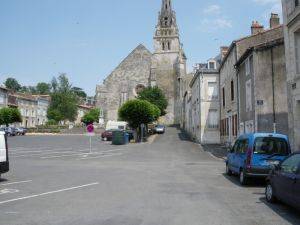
(164, 68)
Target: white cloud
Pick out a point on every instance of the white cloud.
(212, 9)
(210, 25)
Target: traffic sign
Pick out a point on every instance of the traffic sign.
(90, 128)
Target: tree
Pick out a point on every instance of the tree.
(79, 92)
(54, 115)
(63, 83)
(137, 112)
(9, 116)
(155, 96)
(13, 84)
(43, 88)
(91, 117)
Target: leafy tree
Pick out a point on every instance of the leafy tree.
(13, 84)
(79, 92)
(43, 88)
(9, 116)
(54, 84)
(64, 84)
(155, 96)
(54, 115)
(137, 112)
(91, 117)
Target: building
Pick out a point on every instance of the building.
(291, 16)
(3, 97)
(262, 91)
(186, 94)
(205, 104)
(165, 68)
(27, 104)
(229, 126)
(81, 111)
(43, 102)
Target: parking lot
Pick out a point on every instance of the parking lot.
(57, 180)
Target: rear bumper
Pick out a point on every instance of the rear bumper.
(258, 172)
(4, 167)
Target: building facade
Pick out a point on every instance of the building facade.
(291, 16)
(262, 89)
(3, 97)
(205, 104)
(165, 68)
(27, 104)
(43, 103)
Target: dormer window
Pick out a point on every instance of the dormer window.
(212, 65)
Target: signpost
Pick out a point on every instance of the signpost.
(90, 132)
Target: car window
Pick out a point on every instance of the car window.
(291, 164)
(243, 146)
(270, 146)
(236, 146)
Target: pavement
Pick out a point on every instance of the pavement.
(56, 180)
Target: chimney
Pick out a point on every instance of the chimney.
(274, 20)
(224, 50)
(256, 28)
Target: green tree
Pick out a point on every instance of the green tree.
(155, 96)
(137, 112)
(9, 116)
(13, 84)
(79, 92)
(43, 88)
(91, 117)
(54, 115)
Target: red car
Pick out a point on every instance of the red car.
(107, 135)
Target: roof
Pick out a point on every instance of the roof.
(4, 88)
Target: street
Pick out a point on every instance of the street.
(54, 180)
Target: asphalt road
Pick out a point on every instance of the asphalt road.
(53, 180)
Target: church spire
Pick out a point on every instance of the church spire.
(167, 15)
(166, 5)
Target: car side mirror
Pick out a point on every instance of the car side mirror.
(229, 150)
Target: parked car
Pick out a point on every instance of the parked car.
(284, 182)
(160, 129)
(10, 131)
(4, 164)
(107, 135)
(254, 154)
(21, 131)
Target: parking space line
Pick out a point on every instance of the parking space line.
(18, 182)
(47, 153)
(101, 156)
(48, 193)
(62, 156)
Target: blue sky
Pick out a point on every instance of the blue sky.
(88, 38)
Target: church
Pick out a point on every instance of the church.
(165, 68)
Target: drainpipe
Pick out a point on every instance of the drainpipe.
(273, 90)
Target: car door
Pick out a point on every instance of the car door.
(241, 154)
(285, 179)
(296, 189)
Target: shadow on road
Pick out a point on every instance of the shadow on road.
(288, 213)
(3, 180)
(251, 182)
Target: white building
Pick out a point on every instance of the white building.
(291, 17)
(43, 103)
(3, 97)
(205, 104)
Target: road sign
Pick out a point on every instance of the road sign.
(90, 128)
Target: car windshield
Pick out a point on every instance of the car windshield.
(271, 146)
(159, 126)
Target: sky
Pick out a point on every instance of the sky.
(87, 39)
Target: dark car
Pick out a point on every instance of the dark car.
(107, 135)
(21, 131)
(254, 154)
(284, 182)
(10, 131)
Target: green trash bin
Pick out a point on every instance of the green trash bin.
(118, 137)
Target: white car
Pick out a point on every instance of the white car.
(4, 164)
(160, 129)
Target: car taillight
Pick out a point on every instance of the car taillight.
(248, 160)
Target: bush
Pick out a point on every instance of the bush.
(91, 117)
(9, 116)
(137, 112)
(51, 123)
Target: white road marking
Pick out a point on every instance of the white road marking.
(8, 191)
(48, 153)
(48, 193)
(19, 182)
(101, 156)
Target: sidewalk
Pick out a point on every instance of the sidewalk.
(217, 150)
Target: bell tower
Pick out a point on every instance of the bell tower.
(168, 59)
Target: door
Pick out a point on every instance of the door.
(286, 179)
(229, 124)
(3, 153)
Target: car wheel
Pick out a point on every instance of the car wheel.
(270, 194)
(243, 178)
(228, 171)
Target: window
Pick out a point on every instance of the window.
(297, 51)
(223, 93)
(123, 98)
(1, 99)
(270, 146)
(232, 90)
(248, 96)
(291, 165)
(247, 65)
(163, 46)
(213, 119)
(296, 3)
(212, 65)
(212, 91)
(169, 45)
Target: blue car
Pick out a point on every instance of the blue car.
(253, 155)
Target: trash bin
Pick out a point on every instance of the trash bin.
(120, 137)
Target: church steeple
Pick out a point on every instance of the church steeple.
(167, 16)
